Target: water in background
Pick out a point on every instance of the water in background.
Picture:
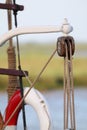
(55, 102)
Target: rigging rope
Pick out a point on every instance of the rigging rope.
(65, 49)
(31, 86)
(69, 96)
(19, 67)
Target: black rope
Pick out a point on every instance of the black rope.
(19, 66)
(14, 1)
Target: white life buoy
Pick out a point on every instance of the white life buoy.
(36, 100)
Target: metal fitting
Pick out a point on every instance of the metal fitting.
(66, 27)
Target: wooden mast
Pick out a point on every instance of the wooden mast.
(12, 80)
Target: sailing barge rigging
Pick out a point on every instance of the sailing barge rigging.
(17, 96)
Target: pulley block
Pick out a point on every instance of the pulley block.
(61, 45)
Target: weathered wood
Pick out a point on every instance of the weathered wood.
(14, 7)
(13, 72)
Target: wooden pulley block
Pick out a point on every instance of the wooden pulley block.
(61, 45)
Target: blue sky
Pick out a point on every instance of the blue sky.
(50, 12)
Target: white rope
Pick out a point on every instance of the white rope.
(72, 88)
(69, 110)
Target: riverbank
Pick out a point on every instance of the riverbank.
(34, 57)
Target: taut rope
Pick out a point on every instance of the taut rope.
(66, 49)
(31, 86)
(19, 67)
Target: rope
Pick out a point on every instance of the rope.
(13, 84)
(72, 86)
(65, 112)
(31, 86)
(19, 66)
(69, 111)
(27, 78)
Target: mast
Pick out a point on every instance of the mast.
(12, 80)
(13, 85)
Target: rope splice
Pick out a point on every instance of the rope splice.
(66, 48)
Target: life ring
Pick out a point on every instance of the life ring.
(36, 100)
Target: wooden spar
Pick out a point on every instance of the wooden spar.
(12, 80)
(13, 72)
(15, 7)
